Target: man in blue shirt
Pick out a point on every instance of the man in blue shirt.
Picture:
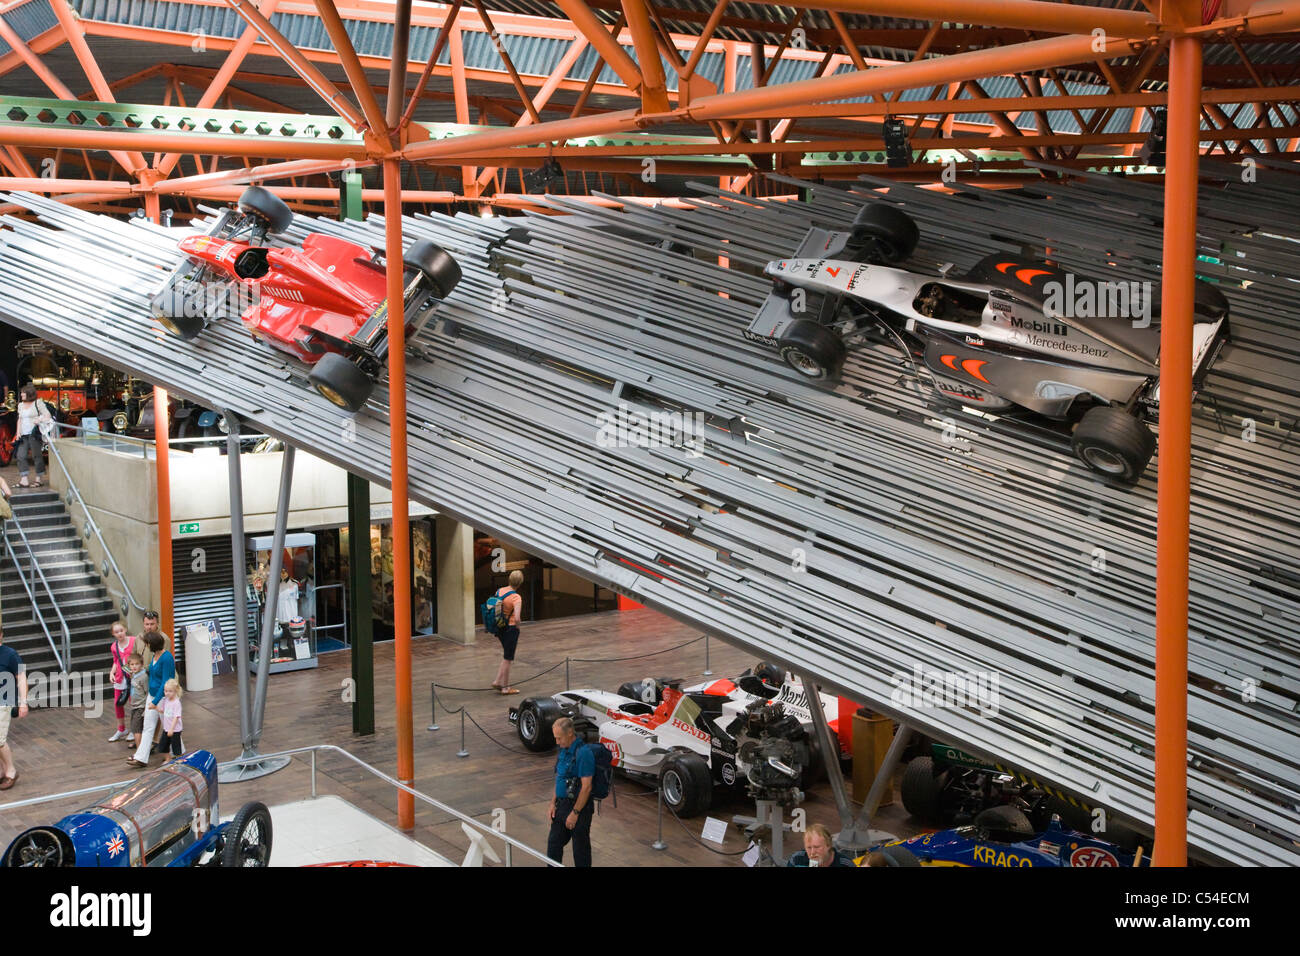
(571, 803)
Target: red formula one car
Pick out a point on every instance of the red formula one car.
(325, 304)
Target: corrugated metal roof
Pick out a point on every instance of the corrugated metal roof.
(28, 21)
(536, 56)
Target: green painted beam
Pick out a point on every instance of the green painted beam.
(47, 113)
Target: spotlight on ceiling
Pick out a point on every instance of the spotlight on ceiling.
(1153, 150)
(898, 151)
(545, 178)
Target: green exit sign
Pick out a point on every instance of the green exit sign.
(190, 528)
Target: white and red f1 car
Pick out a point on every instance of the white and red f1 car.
(746, 734)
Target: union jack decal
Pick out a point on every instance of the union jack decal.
(115, 846)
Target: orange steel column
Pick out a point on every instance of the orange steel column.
(1173, 516)
(401, 520)
(162, 470)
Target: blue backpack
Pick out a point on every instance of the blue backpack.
(496, 616)
(602, 779)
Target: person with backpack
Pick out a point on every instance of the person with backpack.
(572, 800)
(34, 424)
(501, 617)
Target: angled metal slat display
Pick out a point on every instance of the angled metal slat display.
(916, 554)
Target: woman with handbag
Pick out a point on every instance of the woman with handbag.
(123, 646)
(34, 423)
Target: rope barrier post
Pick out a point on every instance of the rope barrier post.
(659, 843)
(567, 683)
(433, 712)
(708, 669)
(462, 752)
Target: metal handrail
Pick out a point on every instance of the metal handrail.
(487, 830)
(94, 526)
(146, 443)
(31, 594)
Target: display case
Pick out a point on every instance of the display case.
(293, 631)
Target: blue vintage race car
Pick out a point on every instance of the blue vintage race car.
(166, 817)
(996, 839)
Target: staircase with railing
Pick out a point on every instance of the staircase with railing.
(57, 611)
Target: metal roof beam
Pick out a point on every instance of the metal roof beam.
(300, 64)
(1024, 14)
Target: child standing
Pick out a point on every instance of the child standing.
(139, 694)
(122, 647)
(170, 706)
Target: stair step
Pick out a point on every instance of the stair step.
(79, 570)
(71, 574)
(19, 622)
(42, 532)
(71, 587)
(39, 510)
(45, 544)
(71, 605)
(45, 519)
(27, 497)
(69, 602)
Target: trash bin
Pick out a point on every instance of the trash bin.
(198, 659)
(872, 735)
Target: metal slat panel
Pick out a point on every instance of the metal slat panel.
(503, 426)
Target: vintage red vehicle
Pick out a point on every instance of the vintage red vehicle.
(324, 304)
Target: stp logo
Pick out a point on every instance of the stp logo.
(615, 751)
(1093, 856)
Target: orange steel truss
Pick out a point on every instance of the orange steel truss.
(1137, 60)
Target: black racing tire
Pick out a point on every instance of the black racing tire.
(636, 689)
(1005, 819)
(813, 350)
(686, 784)
(1209, 304)
(341, 382)
(537, 715)
(247, 839)
(179, 323)
(1210, 301)
(921, 791)
(898, 856)
(1113, 442)
(268, 207)
(436, 264)
(818, 766)
(885, 234)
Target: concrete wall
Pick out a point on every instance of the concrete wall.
(122, 494)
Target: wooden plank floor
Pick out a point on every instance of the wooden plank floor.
(60, 750)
